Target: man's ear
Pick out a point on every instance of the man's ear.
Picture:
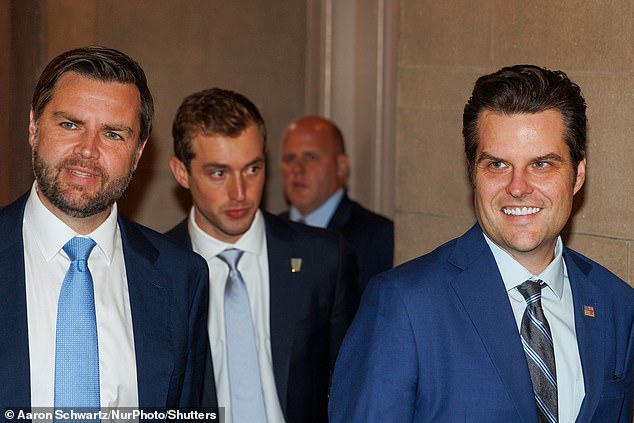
(581, 175)
(180, 172)
(139, 153)
(32, 128)
(343, 167)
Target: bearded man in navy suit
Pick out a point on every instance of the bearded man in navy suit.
(90, 120)
(300, 281)
(503, 324)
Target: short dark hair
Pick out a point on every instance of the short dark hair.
(213, 112)
(101, 64)
(526, 89)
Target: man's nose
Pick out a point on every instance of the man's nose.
(238, 189)
(520, 183)
(297, 166)
(88, 145)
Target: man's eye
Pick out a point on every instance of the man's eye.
(216, 173)
(68, 125)
(113, 135)
(541, 165)
(253, 170)
(310, 157)
(497, 165)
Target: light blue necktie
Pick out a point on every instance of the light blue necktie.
(76, 350)
(245, 386)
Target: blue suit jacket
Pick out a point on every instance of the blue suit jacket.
(371, 237)
(435, 340)
(169, 295)
(310, 312)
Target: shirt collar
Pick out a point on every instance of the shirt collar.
(321, 216)
(252, 241)
(51, 234)
(514, 274)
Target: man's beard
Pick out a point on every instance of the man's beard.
(61, 196)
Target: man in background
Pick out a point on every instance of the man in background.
(315, 169)
(282, 294)
(505, 323)
(96, 311)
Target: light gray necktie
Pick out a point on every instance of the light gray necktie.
(245, 386)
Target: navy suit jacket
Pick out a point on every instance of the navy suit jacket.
(435, 340)
(169, 296)
(371, 237)
(310, 311)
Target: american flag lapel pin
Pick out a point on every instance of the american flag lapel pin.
(296, 264)
(588, 311)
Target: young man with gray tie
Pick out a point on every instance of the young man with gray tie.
(281, 294)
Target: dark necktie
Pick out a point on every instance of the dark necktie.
(245, 386)
(76, 351)
(538, 347)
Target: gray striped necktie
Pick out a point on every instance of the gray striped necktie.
(538, 347)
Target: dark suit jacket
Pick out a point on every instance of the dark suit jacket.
(371, 237)
(310, 311)
(435, 340)
(169, 296)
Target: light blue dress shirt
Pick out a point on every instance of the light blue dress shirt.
(559, 311)
(322, 215)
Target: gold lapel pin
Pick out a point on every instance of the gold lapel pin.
(296, 264)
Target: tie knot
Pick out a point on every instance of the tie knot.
(532, 291)
(231, 256)
(79, 248)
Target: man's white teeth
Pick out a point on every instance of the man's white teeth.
(82, 174)
(521, 211)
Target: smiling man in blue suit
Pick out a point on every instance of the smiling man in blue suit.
(98, 311)
(503, 324)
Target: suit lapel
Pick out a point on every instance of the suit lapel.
(485, 300)
(283, 303)
(342, 213)
(149, 304)
(15, 388)
(591, 333)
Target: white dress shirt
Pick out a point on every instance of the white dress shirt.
(46, 265)
(254, 267)
(321, 216)
(559, 311)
